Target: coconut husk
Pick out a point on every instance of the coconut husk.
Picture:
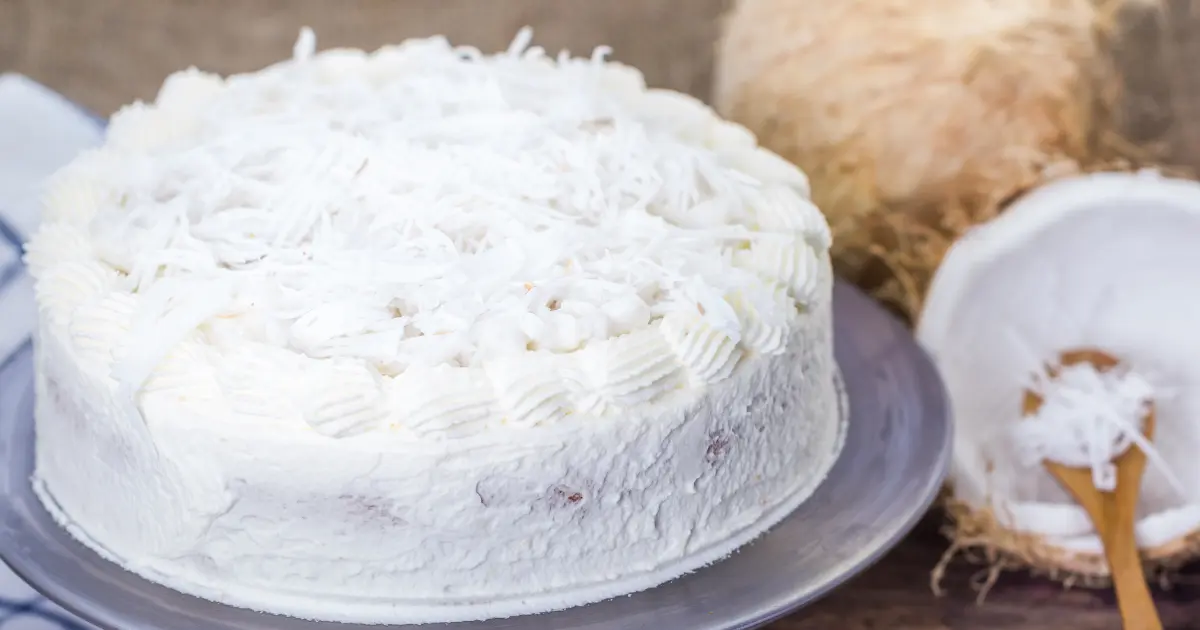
(977, 536)
(917, 119)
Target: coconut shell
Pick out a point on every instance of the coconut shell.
(985, 480)
(917, 119)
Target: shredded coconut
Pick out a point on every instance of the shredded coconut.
(429, 205)
(1088, 417)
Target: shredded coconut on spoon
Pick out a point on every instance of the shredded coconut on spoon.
(1088, 417)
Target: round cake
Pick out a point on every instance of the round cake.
(428, 335)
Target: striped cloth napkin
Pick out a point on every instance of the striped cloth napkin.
(39, 132)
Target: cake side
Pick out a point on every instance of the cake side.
(502, 334)
(285, 524)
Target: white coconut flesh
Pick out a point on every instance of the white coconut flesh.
(1107, 261)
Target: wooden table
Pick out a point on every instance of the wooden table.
(895, 595)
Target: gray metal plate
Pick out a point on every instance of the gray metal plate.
(895, 457)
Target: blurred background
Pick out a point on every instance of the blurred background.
(104, 53)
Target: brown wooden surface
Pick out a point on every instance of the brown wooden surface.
(895, 595)
(104, 53)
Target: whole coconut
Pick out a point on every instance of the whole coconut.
(916, 119)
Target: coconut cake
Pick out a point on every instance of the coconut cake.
(426, 335)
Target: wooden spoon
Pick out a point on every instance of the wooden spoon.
(1112, 513)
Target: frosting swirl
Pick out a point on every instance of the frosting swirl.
(344, 399)
(57, 242)
(788, 260)
(187, 374)
(442, 400)
(65, 286)
(529, 389)
(631, 370)
(100, 327)
(84, 187)
(766, 318)
(707, 354)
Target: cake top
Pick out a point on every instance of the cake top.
(427, 205)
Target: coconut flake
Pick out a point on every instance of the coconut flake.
(173, 315)
(429, 205)
(306, 45)
(1088, 417)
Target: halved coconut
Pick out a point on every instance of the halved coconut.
(1109, 261)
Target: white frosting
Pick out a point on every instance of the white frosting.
(1102, 261)
(426, 335)
(428, 206)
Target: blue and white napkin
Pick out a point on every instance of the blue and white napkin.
(39, 132)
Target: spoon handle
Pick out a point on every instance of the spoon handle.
(1120, 546)
(1133, 594)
